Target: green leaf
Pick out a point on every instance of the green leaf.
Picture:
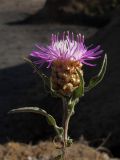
(30, 109)
(79, 91)
(38, 110)
(98, 78)
(69, 142)
(53, 92)
(51, 120)
(44, 78)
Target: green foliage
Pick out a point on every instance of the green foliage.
(69, 102)
(53, 92)
(79, 91)
(98, 78)
(44, 78)
(69, 142)
(50, 118)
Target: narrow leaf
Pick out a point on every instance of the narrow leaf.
(30, 109)
(79, 91)
(53, 92)
(97, 79)
(51, 120)
(38, 110)
(39, 72)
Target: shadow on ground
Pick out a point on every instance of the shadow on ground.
(20, 87)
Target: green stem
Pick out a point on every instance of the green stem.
(66, 118)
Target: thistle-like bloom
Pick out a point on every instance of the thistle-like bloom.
(66, 55)
(66, 48)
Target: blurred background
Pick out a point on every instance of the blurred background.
(26, 23)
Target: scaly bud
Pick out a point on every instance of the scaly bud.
(64, 76)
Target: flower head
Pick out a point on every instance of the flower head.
(66, 55)
(66, 48)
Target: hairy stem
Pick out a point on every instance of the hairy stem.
(66, 118)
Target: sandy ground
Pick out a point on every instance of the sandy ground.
(47, 151)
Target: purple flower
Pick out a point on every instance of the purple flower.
(66, 48)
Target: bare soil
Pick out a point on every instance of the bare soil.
(47, 151)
